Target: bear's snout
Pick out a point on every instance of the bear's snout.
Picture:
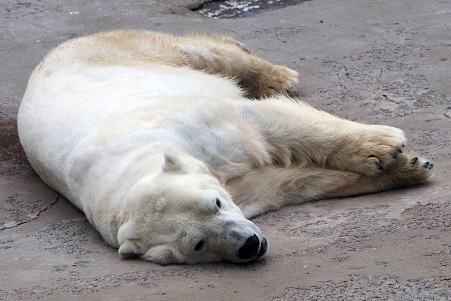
(253, 248)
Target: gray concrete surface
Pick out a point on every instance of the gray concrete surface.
(378, 61)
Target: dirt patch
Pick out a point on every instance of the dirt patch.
(14, 9)
(383, 287)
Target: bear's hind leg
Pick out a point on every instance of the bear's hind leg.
(227, 57)
(269, 188)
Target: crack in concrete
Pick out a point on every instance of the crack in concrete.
(4, 114)
(32, 217)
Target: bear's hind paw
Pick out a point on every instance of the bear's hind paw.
(409, 170)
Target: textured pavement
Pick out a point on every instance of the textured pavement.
(379, 61)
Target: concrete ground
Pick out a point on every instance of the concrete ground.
(379, 61)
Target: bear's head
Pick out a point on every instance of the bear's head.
(184, 215)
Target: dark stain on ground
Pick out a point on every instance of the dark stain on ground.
(12, 156)
(229, 9)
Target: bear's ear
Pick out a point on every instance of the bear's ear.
(129, 249)
(172, 162)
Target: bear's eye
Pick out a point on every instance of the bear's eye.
(218, 203)
(199, 245)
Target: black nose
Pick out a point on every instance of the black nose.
(250, 248)
(263, 247)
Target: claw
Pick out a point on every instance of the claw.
(393, 155)
(379, 166)
(428, 165)
(399, 149)
(413, 160)
(403, 145)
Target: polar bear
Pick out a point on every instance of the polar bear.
(169, 144)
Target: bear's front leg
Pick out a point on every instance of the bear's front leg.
(298, 133)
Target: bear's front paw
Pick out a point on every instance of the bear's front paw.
(377, 149)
